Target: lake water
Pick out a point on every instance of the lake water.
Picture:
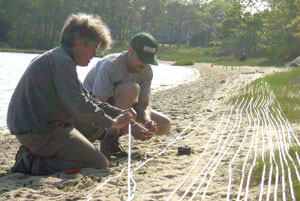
(13, 65)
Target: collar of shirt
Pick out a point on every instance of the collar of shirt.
(69, 51)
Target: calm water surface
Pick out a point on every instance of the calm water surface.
(13, 65)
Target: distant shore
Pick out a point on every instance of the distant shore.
(8, 49)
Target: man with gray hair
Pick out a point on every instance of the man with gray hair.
(52, 115)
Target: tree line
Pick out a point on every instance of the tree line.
(227, 26)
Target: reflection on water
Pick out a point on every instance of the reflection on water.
(13, 65)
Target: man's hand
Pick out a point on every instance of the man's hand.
(123, 119)
(150, 125)
(140, 133)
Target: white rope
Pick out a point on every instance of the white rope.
(263, 159)
(273, 155)
(270, 143)
(200, 157)
(179, 137)
(271, 147)
(90, 196)
(226, 151)
(218, 157)
(196, 164)
(210, 158)
(280, 156)
(129, 160)
(293, 134)
(285, 143)
(286, 153)
(130, 177)
(98, 187)
(249, 150)
(172, 194)
(255, 155)
(239, 149)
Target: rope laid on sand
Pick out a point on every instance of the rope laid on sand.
(185, 179)
(130, 178)
(200, 157)
(199, 120)
(264, 122)
(216, 155)
(238, 151)
(90, 196)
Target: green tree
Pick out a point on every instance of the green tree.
(229, 29)
(210, 14)
(282, 42)
(176, 16)
(4, 21)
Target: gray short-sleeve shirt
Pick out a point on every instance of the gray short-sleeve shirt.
(111, 71)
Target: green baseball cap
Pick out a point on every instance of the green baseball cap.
(145, 46)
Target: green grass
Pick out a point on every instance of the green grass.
(184, 62)
(258, 170)
(286, 87)
(247, 96)
(207, 55)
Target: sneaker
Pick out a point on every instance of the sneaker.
(23, 161)
(110, 146)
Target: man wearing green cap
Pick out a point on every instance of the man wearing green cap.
(124, 80)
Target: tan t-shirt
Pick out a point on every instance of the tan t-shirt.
(111, 71)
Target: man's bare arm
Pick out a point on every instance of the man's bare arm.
(143, 109)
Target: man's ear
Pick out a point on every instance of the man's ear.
(79, 43)
(130, 49)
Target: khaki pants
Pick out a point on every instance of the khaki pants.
(61, 148)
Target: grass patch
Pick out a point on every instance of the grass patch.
(207, 55)
(259, 167)
(286, 87)
(184, 62)
(250, 94)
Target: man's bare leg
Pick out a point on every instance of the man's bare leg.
(162, 121)
(125, 96)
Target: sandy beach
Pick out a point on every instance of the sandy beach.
(203, 118)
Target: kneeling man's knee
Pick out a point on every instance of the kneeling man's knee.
(164, 127)
(133, 88)
(130, 89)
(102, 162)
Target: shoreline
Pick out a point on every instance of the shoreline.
(187, 79)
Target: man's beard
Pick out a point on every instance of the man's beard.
(135, 69)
